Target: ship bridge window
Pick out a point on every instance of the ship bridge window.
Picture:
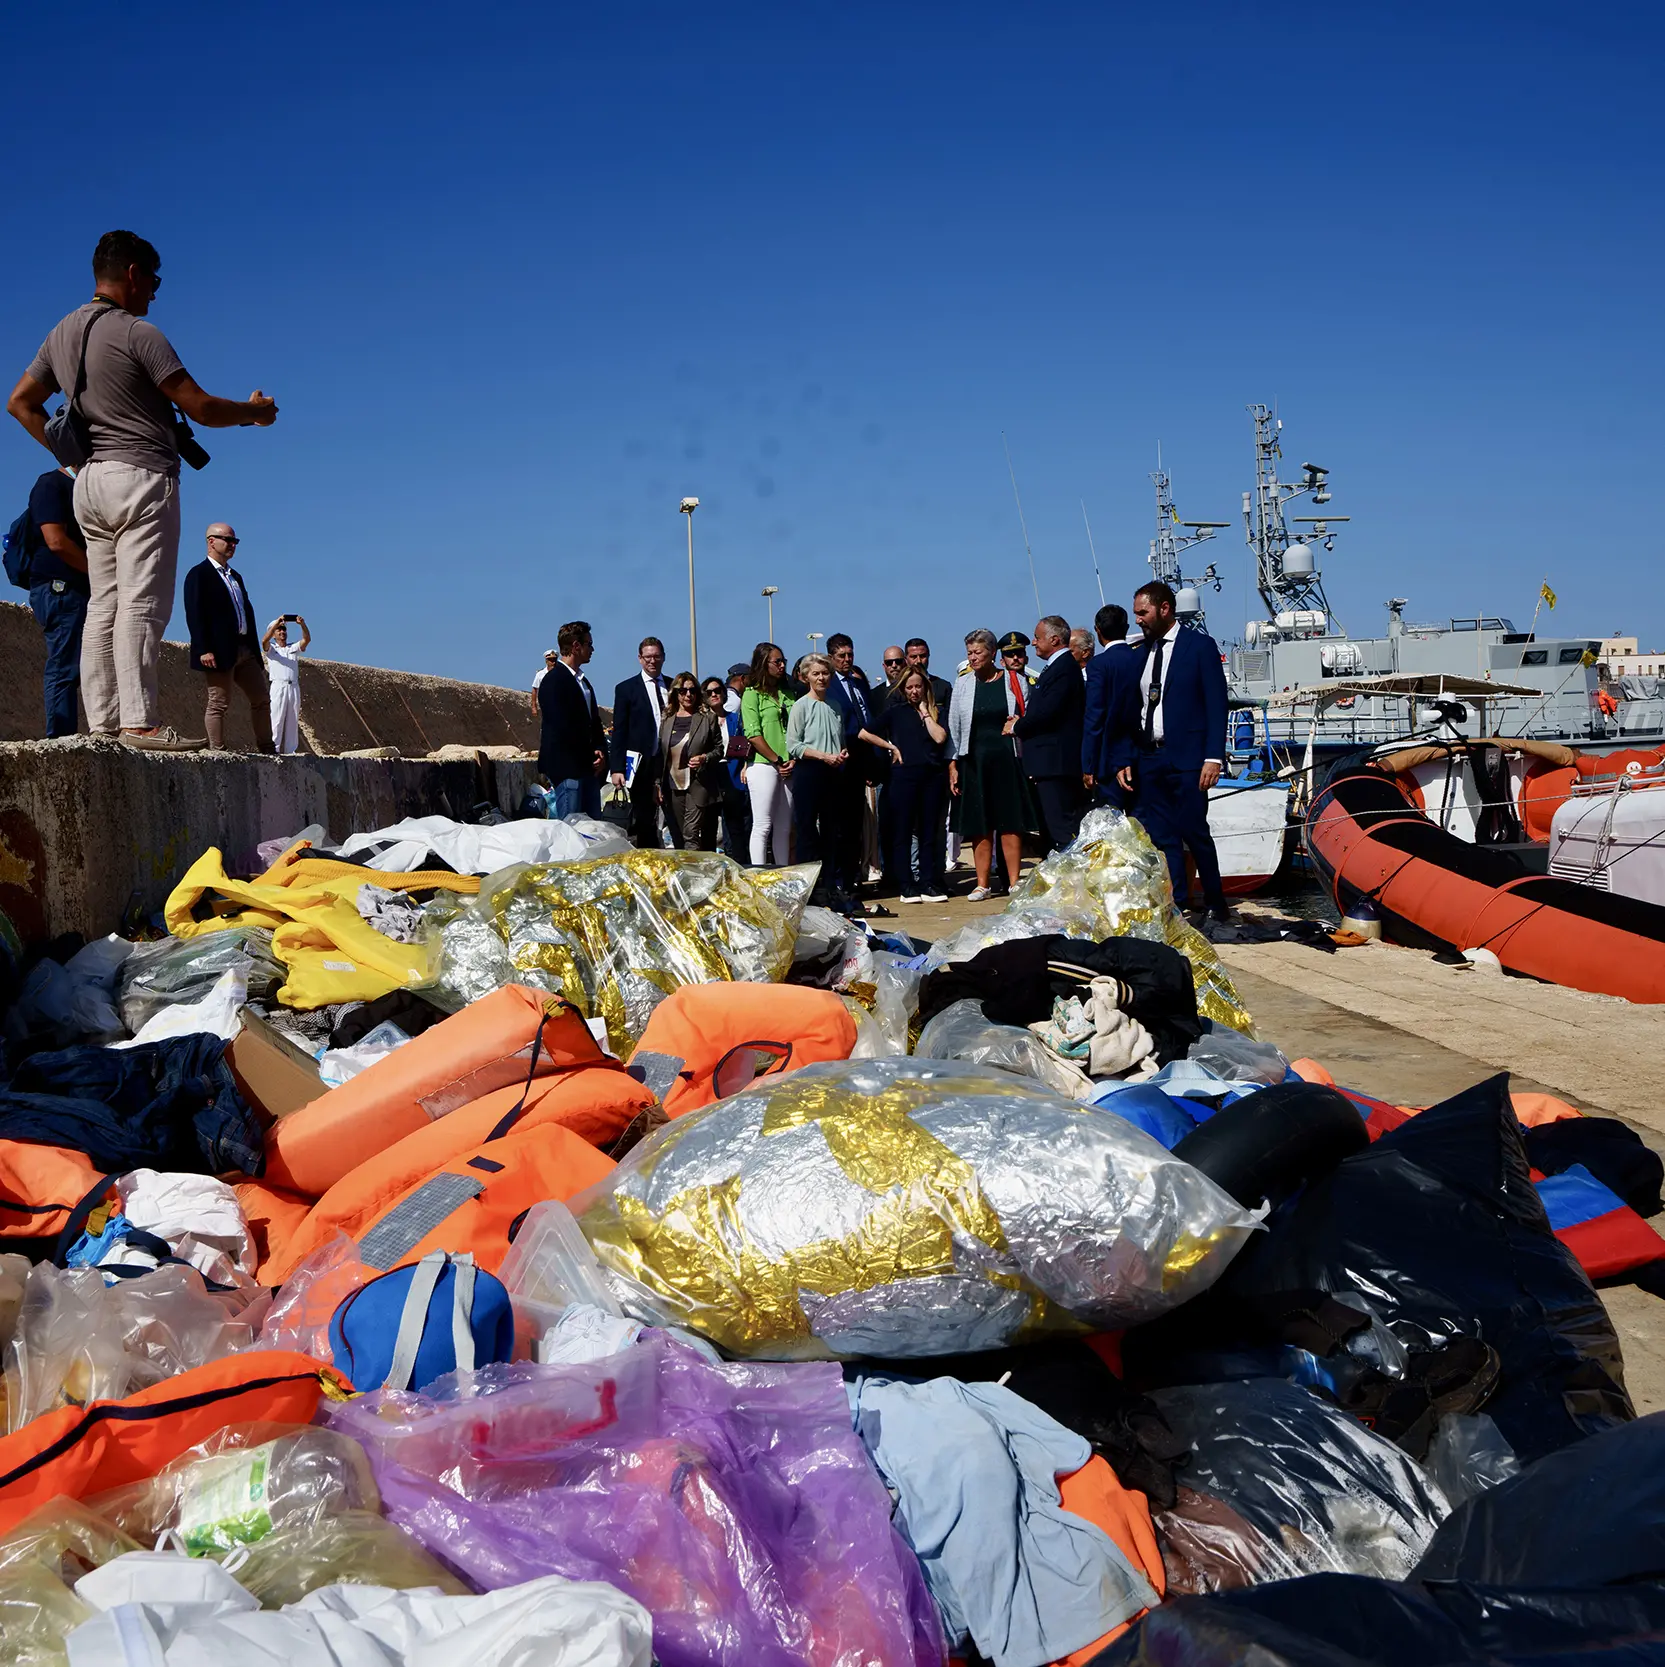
(1570, 656)
(1535, 657)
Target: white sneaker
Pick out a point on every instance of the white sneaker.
(979, 894)
(912, 899)
(932, 897)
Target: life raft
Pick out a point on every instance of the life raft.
(1433, 890)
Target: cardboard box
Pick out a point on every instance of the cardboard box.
(273, 1075)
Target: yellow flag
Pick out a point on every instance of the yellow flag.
(1587, 658)
(1547, 594)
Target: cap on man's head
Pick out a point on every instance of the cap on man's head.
(1013, 642)
(550, 654)
(739, 669)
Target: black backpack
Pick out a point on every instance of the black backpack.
(19, 549)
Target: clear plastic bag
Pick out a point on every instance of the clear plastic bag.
(75, 1002)
(1468, 1455)
(356, 1546)
(1333, 1496)
(550, 1262)
(66, 1348)
(300, 1315)
(178, 971)
(1236, 1058)
(615, 935)
(242, 1484)
(871, 1040)
(79, 1340)
(902, 1207)
(961, 1032)
(735, 1502)
(65, 1537)
(37, 1614)
(895, 998)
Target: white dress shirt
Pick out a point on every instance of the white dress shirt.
(231, 584)
(1144, 685)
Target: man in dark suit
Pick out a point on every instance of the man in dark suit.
(572, 749)
(1050, 729)
(1112, 690)
(639, 705)
(851, 693)
(918, 653)
(225, 645)
(1174, 751)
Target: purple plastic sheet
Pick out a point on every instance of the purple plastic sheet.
(734, 1502)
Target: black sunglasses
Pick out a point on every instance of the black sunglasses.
(220, 538)
(893, 664)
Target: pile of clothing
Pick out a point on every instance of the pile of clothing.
(608, 1259)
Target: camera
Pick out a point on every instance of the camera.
(190, 449)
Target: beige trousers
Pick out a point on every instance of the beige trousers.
(130, 520)
(249, 674)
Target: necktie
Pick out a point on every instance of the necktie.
(857, 704)
(1017, 690)
(1154, 698)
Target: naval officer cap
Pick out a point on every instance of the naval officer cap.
(1013, 642)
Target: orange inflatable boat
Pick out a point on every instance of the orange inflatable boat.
(1370, 841)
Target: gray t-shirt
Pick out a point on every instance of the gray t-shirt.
(127, 359)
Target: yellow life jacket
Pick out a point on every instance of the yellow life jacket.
(331, 952)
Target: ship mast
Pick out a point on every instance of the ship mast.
(1286, 568)
(1166, 547)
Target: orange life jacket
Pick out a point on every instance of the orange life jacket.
(77, 1451)
(472, 1202)
(728, 1035)
(499, 1041)
(40, 1186)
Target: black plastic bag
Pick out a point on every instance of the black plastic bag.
(1326, 1493)
(1590, 1515)
(1342, 1620)
(1439, 1232)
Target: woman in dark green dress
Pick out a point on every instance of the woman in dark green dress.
(986, 778)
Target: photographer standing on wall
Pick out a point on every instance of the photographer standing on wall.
(121, 380)
(283, 674)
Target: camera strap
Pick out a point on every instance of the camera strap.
(81, 374)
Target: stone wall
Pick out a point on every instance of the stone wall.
(92, 831)
(343, 707)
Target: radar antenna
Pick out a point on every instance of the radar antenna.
(1286, 566)
(1168, 545)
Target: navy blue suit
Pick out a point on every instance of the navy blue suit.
(1050, 730)
(636, 729)
(850, 783)
(1168, 797)
(571, 735)
(1107, 725)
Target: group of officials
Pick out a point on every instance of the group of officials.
(897, 769)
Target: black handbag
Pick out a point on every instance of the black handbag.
(67, 436)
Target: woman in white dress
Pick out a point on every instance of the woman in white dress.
(283, 673)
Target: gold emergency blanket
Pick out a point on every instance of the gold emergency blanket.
(1111, 883)
(615, 935)
(900, 1207)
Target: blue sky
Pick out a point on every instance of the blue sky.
(521, 277)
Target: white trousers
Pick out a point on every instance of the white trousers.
(286, 715)
(771, 814)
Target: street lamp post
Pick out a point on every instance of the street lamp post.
(814, 638)
(770, 592)
(689, 505)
